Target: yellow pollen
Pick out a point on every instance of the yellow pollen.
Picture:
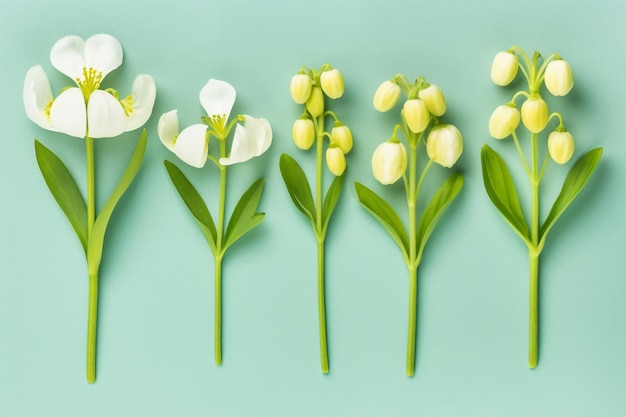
(90, 82)
(46, 109)
(127, 105)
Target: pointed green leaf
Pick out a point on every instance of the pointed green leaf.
(575, 181)
(298, 186)
(438, 204)
(330, 201)
(244, 215)
(194, 203)
(96, 239)
(501, 191)
(64, 190)
(386, 216)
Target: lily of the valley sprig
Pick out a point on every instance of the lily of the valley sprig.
(556, 74)
(422, 129)
(309, 87)
(250, 139)
(87, 111)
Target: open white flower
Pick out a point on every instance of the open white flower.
(191, 145)
(86, 110)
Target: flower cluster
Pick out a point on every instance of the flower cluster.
(420, 114)
(556, 74)
(308, 87)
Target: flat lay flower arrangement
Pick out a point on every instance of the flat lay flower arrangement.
(420, 139)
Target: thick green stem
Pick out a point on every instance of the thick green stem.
(218, 258)
(410, 348)
(92, 327)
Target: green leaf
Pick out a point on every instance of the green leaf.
(575, 181)
(64, 190)
(244, 216)
(438, 204)
(96, 239)
(386, 216)
(298, 186)
(501, 191)
(330, 201)
(194, 203)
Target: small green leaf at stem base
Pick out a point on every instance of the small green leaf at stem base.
(330, 201)
(64, 190)
(501, 190)
(244, 216)
(297, 186)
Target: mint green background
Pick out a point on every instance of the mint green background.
(156, 312)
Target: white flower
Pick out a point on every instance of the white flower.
(86, 110)
(389, 162)
(191, 145)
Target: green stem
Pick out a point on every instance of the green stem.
(321, 306)
(218, 258)
(92, 316)
(533, 329)
(92, 327)
(410, 349)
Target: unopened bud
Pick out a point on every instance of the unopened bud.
(444, 145)
(434, 99)
(504, 68)
(332, 83)
(303, 133)
(389, 162)
(342, 137)
(300, 88)
(561, 146)
(315, 102)
(335, 160)
(386, 96)
(535, 114)
(558, 77)
(503, 121)
(416, 115)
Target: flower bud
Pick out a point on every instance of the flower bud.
(560, 146)
(504, 68)
(386, 96)
(535, 114)
(303, 133)
(389, 162)
(503, 121)
(332, 83)
(434, 99)
(444, 145)
(416, 115)
(558, 77)
(315, 102)
(342, 137)
(301, 88)
(335, 160)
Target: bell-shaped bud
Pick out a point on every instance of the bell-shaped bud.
(558, 77)
(535, 114)
(561, 146)
(300, 88)
(389, 162)
(386, 96)
(504, 68)
(503, 121)
(342, 137)
(332, 83)
(416, 115)
(434, 99)
(444, 145)
(335, 160)
(303, 132)
(315, 102)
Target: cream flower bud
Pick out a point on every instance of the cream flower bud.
(434, 99)
(332, 83)
(315, 102)
(416, 115)
(386, 96)
(503, 121)
(504, 68)
(444, 145)
(300, 88)
(342, 137)
(389, 162)
(335, 160)
(535, 114)
(561, 146)
(303, 133)
(558, 77)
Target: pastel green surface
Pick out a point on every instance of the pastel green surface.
(156, 306)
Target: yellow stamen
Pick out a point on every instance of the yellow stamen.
(90, 82)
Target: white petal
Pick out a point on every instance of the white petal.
(261, 131)
(68, 56)
(68, 113)
(243, 147)
(142, 97)
(103, 53)
(192, 146)
(168, 129)
(217, 98)
(37, 95)
(105, 115)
